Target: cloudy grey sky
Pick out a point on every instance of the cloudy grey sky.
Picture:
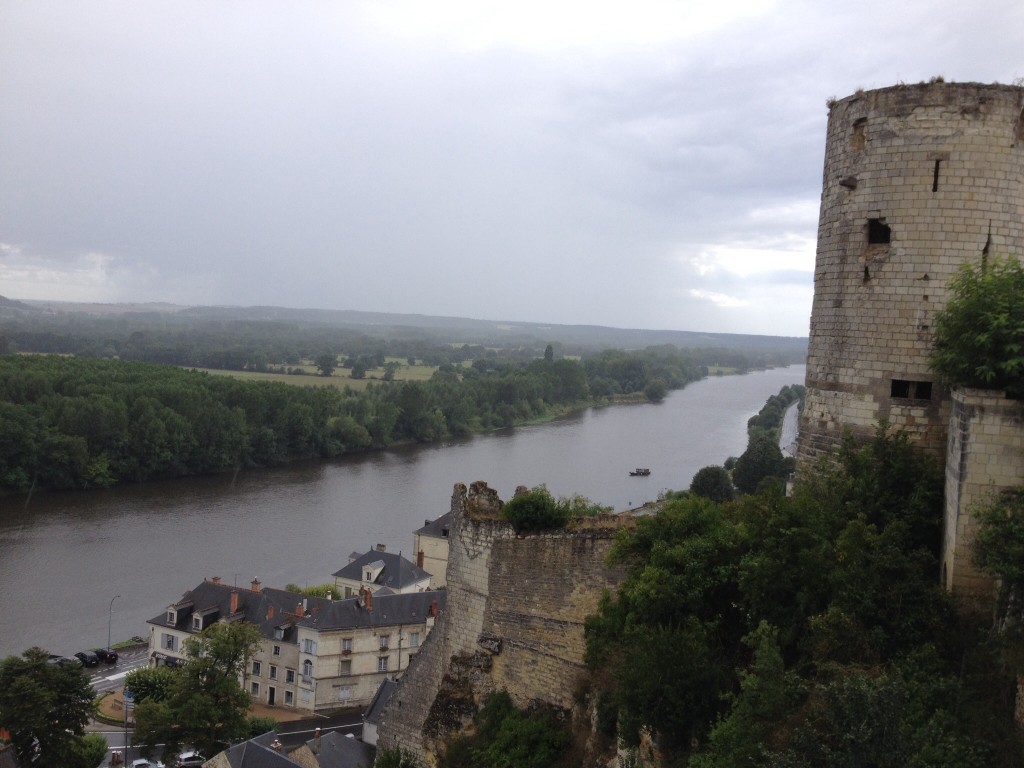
(642, 164)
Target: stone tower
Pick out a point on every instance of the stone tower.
(918, 180)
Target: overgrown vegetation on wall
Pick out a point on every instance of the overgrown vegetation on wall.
(803, 631)
(537, 510)
(1000, 553)
(979, 335)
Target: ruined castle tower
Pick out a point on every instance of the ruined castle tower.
(918, 180)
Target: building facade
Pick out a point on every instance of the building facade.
(377, 570)
(431, 543)
(316, 653)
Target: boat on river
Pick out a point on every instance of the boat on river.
(640, 472)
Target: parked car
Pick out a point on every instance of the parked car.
(108, 655)
(190, 758)
(65, 661)
(88, 658)
(144, 763)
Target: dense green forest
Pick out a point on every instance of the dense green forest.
(75, 422)
(790, 632)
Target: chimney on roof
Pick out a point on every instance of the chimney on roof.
(426, 522)
(382, 548)
(276, 745)
(298, 610)
(369, 601)
(433, 608)
(255, 586)
(316, 741)
(234, 601)
(270, 613)
(419, 559)
(215, 579)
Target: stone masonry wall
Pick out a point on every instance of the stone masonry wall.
(917, 180)
(986, 454)
(514, 621)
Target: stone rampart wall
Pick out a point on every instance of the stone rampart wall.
(985, 455)
(514, 622)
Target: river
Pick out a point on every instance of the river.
(65, 557)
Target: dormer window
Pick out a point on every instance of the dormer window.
(172, 616)
(369, 576)
(197, 623)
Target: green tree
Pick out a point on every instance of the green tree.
(151, 683)
(207, 707)
(326, 363)
(259, 724)
(979, 334)
(762, 459)
(835, 590)
(91, 750)
(713, 483)
(45, 707)
(656, 390)
(359, 368)
(768, 695)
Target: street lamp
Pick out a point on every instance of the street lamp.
(110, 615)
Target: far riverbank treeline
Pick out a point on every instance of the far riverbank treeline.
(71, 422)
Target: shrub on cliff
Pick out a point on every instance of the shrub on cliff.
(507, 737)
(979, 336)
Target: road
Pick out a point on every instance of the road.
(109, 677)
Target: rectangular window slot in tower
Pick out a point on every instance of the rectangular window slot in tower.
(910, 390)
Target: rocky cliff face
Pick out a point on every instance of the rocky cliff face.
(514, 622)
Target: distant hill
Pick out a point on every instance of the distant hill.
(449, 329)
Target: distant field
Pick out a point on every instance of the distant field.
(339, 380)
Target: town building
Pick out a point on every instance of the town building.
(317, 653)
(430, 544)
(379, 569)
(329, 750)
(350, 646)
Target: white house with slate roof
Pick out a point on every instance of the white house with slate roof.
(350, 646)
(317, 653)
(379, 569)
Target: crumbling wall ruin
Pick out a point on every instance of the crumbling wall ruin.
(514, 622)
